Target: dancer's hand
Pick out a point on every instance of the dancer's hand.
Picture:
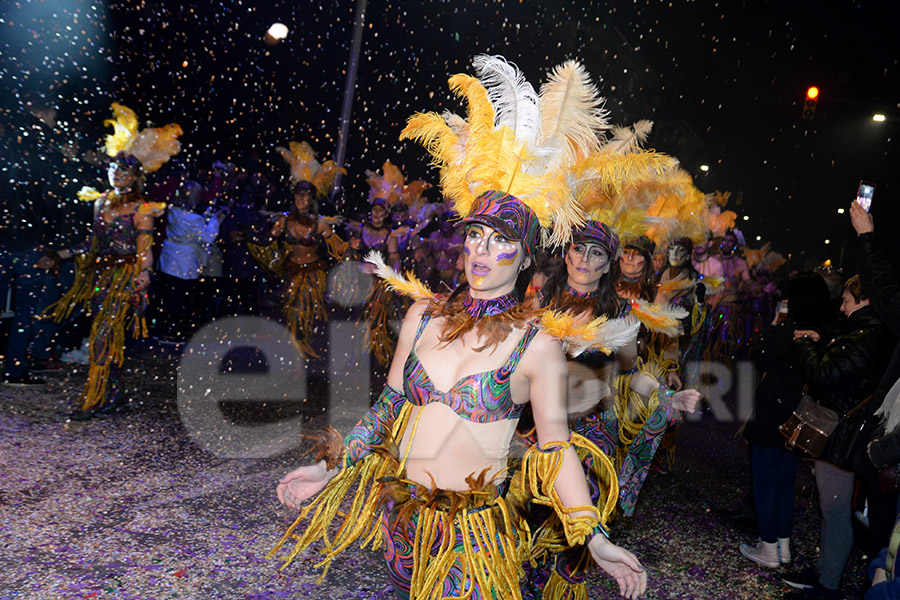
(303, 483)
(141, 281)
(621, 564)
(686, 400)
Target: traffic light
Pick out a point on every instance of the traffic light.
(809, 105)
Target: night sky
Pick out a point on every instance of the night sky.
(724, 82)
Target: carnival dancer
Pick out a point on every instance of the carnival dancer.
(736, 277)
(113, 267)
(759, 301)
(382, 308)
(584, 288)
(300, 233)
(450, 522)
(446, 249)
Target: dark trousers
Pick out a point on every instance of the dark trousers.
(774, 470)
(177, 306)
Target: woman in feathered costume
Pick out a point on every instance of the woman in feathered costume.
(434, 486)
(293, 249)
(381, 306)
(584, 288)
(114, 265)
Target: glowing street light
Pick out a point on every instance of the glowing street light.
(878, 117)
(278, 31)
(704, 168)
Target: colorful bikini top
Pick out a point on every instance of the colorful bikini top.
(481, 398)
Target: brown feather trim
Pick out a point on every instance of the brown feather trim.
(492, 329)
(575, 305)
(630, 290)
(328, 445)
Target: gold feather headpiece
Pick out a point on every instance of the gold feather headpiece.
(511, 161)
(718, 221)
(764, 259)
(390, 186)
(305, 166)
(679, 211)
(152, 146)
(617, 184)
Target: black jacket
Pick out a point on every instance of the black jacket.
(781, 386)
(878, 279)
(842, 372)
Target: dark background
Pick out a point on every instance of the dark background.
(724, 82)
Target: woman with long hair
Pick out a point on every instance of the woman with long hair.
(291, 251)
(584, 286)
(303, 271)
(429, 462)
(773, 468)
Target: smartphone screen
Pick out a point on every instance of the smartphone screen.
(864, 194)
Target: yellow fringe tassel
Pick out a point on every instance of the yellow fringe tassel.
(632, 411)
(558, 588)
(337, 247)
(491, 556)
(304, 304)
(271, 257)
(360, 521)
(540, 468)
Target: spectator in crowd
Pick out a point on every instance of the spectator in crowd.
(189, 232)
(773, 467)
(842, 374)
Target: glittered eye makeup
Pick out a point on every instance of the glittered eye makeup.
(507, 258)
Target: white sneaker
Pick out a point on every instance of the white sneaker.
(763, 553)
(784, 551)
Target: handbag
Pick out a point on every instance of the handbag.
(889, 479)
(807, 430)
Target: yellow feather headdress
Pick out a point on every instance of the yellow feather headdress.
(619, 182)
(391, 186)
(718, 220)
(153, 146)
(764, 259)
(305, 166)
(515, 142)
(679, 211)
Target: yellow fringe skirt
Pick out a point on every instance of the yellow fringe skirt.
(381, 309)
(104, 285)
(304, 302)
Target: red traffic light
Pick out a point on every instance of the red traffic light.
(809, 103)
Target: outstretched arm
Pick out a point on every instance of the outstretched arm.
(144, 224)
(372, 430)
(544, 365)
